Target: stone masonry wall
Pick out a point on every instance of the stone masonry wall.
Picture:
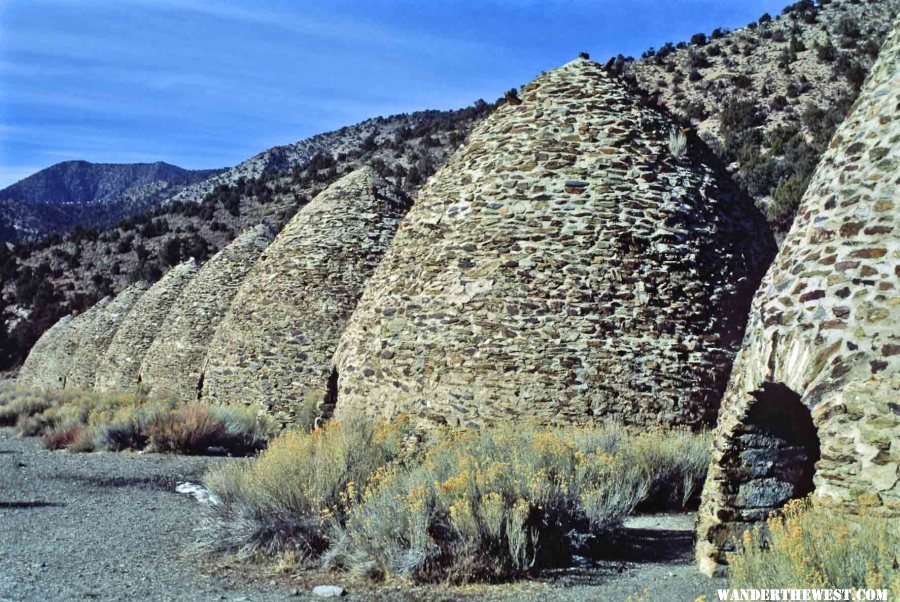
(274, 346)
(57, 358)
(119, 368)
(565, 264)
(97, 336)
(825, 325)
(32, 372)
(174, 363)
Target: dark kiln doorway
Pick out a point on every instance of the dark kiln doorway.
(777, 449)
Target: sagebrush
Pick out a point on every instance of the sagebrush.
(812, 545)
(481, 504)
(90, 420)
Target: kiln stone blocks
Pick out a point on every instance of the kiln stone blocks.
(35, 371)
(173, 365)
(96, 337)
(119, 367)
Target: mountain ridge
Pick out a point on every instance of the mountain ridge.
(80, 193)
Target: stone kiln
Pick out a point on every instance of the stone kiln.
(813, 399)
(173, 365)
(119, 367)
(275, 344)
(565, 264)
(55, 360)
(36, 371)
(96, 337)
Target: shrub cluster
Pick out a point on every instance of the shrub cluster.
(483, 504)
(88, 421)
(810, 545)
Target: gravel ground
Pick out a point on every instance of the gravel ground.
(103, 526)
(109, 526)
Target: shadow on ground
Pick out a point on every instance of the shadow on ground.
(29, 505)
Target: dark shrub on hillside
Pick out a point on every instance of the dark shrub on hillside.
(742, 81)
(698, 39)
(785, 201)
(179, 248)
(848, 28)
(698, 60)
(696, 111)
(739, 115)
(826, 52)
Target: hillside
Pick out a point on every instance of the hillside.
(769, 96)
(89, 195)
(43, 281)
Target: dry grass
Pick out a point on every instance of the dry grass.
(16, 404)
(809, 545)
(88, 420)
(66, 437)
(477, 505)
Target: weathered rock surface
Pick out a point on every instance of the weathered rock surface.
(98, 334)
(564, 264)
(33, 371)
(173, 365)
(823, 339)
(275, 345)
(62, 356)
(119, 368)
(56, 359)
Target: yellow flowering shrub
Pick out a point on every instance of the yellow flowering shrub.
(811, 545)
(463, 505)
(491, 503)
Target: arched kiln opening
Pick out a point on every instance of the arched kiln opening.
(774, 453)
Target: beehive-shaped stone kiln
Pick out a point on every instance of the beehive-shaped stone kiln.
(119, 367)
(813, 402)
(36, 369)
(568, 262)
(57, 359)
(174, 363)
(98, 334)
(275, 345)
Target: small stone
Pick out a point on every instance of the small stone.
(328, 591)
(812, 296)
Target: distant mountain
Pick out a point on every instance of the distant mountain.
(89, 195)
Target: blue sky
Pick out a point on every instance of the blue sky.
(209, 83)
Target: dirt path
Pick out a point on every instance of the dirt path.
(110, 527)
